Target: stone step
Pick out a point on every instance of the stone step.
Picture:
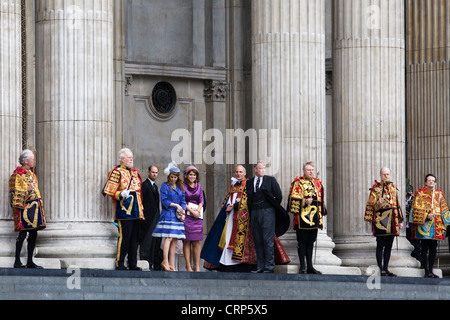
(91, 284)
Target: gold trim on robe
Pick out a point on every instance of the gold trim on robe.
(118, 180)
(22, 200)
(385, 218)
(307, 216)
(423, 204)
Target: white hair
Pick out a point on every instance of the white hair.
(122, 153)
(24, 156)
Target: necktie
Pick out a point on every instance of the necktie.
(258, 181)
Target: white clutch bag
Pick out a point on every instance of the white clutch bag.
(194, 206)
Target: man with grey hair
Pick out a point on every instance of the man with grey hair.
(25, 200)
(124, 187)
(384, 212)
(263, 216)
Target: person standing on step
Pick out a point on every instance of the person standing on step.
(149, 246)
(193, 223)
(226, 247)
(430, 217)
(263, 216)
(170, 225)
(229, 246)
(306, 203)
(384, 212)
(26, 202)
(124, 187)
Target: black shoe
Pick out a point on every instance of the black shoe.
(313, 271)
(387, 273)
(267, 271)
(121, 268)
(32, 265)
(302, 271)
(19, 265)
(135, 268)
(258, 271)
(431, 275)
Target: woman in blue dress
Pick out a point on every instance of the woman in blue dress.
(170, 225)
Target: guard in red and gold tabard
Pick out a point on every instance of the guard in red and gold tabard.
(25, 200)
(306, 203)
(429, 218)
(124, 187)
(383, 210)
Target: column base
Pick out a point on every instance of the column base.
(64, 244)
(359, 251)
(323, 258)
(8, 247)
(8, 262)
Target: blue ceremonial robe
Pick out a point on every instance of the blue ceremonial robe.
(211, 251)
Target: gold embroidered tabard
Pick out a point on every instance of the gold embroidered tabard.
(425, 204)
(307, 216)
(387, 216)
(120, 179)
(26, 204)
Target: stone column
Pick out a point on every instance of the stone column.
(428, 100)
(10, 116)
(215, 183)
(74, 60)
(288, 43)
(369, 122)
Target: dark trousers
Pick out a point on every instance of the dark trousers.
(150, 250)
(383, 252)
(305, 241)
(127, 243)
(429, 251)
(263, 229)
(32, 237)
(416, 253)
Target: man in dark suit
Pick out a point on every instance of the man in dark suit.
(150, 247)
(263, 216)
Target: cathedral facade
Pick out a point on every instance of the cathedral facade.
(353, 85)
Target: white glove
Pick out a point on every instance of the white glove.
(125, 193)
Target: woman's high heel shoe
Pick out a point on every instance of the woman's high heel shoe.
(164, 267)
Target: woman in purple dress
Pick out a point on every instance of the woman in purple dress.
(193, 223)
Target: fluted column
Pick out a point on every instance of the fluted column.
(74, 60)
(368, 120)
(288, 43)
(10, 113)
(428, 100)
